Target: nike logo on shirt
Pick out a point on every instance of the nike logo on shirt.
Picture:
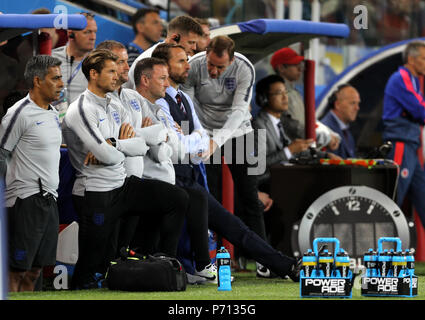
(39, 122)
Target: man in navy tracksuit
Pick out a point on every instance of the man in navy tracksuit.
(403, 118)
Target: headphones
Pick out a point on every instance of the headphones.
(262, 88)
(72, 35)
(261, 98)
(176, 38)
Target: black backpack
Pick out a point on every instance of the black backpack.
(135, 272)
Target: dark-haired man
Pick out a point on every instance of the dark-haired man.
(99, 136)
(147, 27)
(288, 64)
(30, 139)
(182, 30)
(271, 96)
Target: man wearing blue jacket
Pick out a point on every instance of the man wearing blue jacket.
(344, 106)
(403, 117)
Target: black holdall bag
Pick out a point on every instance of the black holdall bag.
(135, 272)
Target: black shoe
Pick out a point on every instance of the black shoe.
(263, 272)
(294, 274)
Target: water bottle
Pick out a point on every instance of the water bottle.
(309, 263)
(384, 261)
(342, 264)
(371, 263)
(223, 273)
(325, 264)
(398, 264)
(410, 263)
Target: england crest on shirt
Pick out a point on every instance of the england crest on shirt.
(116, 116)
(135, 105)
(230, 83)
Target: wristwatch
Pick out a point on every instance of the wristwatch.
(113, 142)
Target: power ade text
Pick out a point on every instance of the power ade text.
(383, 284)
(327, 285)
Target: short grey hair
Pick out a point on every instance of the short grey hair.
(412, 49)
(38, 66)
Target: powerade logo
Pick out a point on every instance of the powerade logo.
(335, 286)
(384, 285)
(414, 282)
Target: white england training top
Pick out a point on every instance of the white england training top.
(154, 135)
(222, 104)
(130, 84)
(89, 121)
(34, 137)
(164, 170)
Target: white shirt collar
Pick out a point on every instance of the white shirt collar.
(341, 124)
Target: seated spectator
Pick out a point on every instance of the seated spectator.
(271, 96)
(147, 27)
(289, 65)
(344, 104)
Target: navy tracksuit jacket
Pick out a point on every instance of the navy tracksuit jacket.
(403, 117)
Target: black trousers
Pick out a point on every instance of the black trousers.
(237, 232)
(249, 208)
(146, 237)
(100, 212)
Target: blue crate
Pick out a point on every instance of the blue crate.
(317, 285)
(403, 284)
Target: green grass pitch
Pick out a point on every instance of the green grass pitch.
(245, 287)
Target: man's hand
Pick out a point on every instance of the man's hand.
(179, 129)
(333, 156)
(265, 200)
(91, 159)
(126, 131)
(147, 122)
(299, 145)
(334, 143)
(210, 151)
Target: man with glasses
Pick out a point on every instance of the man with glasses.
(272, 96)
(289, 65)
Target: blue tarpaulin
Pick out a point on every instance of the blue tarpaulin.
(258, 38)
(37, 21)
